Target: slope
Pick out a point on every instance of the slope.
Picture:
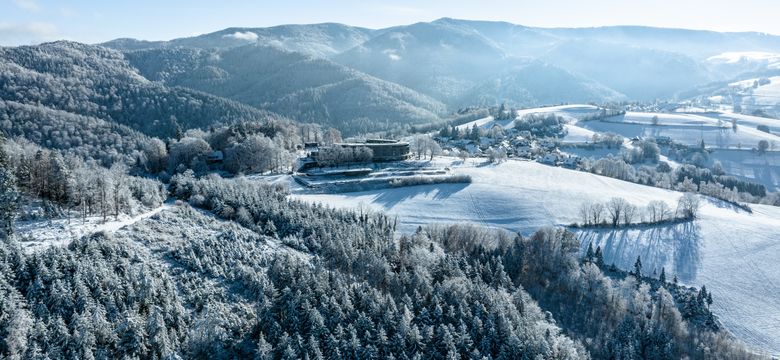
(98, 82)
(321, 40)
(523, 196)
(301, 87)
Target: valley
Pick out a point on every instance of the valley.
(427, 189)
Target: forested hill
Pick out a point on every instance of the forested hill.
(307, 89)
(253, 274)
(99, 83)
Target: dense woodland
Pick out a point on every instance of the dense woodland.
(336, 286)
(309, 90)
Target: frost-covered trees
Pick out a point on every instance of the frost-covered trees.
(256, 153)
(615, 208)
(331, 283)
(592, 213)
(189, 152)
(497, 155)
(155, 155)
(343, 155)
(463, 155)
(424, 145)
(8, 194)
(644, 151)
(688, 206)
(619, 212)
(542, 125)
(70, 183)
(657, 211)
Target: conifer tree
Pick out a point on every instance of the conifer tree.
(638, 268)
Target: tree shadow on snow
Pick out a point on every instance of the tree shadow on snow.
(675, 247)
(391, 197)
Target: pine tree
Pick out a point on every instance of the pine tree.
(638, 268)
(589, 253)
(474, 132)
(662, 277)
(599, 257)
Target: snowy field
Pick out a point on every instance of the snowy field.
(689, 129)
(764, 59)
(763, 169)
(731, 251)
(569, 112)
(763, 95)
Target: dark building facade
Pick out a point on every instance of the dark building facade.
(384, 150)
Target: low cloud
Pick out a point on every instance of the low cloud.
(28, 5)
(238, 35)
(26, 34)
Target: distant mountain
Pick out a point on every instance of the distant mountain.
(698, 44)
(539, 83)
(465, 62)
(322, 40)
(97, 82)
(438, 59)
(639, 73)
(302, 87)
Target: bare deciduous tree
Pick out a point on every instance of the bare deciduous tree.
(657, 211)
(688, 206)
(615, 207)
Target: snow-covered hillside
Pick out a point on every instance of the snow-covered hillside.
(754, 58)
(759, 91)
(729, 250)
(689, 129)
(569, 112)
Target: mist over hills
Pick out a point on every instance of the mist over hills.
(316, 39)
(448, 61)
(362, 80)
(301, 87)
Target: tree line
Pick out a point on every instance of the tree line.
(619, 212)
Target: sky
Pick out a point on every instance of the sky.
(34, 21)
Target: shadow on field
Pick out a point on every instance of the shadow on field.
(391, 197)
(676, 247)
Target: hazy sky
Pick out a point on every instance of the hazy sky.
(33, 21)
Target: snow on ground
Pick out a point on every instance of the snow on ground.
(768, 94)
(687, 129)
(760, 168)
(479, 122)
(570, 112)
(763, 95)
(577, 134)
(748, 120)
(770, 60)
(732, 252)
(41, 234)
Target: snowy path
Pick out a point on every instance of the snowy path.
(42, 234)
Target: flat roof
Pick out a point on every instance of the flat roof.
(373, 144)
